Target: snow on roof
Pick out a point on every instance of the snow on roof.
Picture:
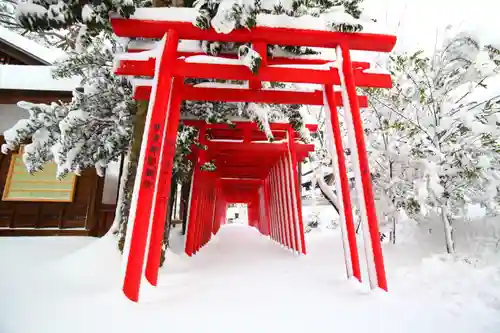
(28, 46)
(25, 77)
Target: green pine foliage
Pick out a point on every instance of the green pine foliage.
(93, 129)
(243, 14)
(41, 15)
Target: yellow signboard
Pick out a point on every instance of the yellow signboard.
(42, 186)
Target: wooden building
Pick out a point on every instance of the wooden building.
(38, 205)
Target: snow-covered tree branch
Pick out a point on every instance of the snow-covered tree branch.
(434, 136)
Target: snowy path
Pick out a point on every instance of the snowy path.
(243, 282)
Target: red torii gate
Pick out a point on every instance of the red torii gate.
(246, 167)
(271, 188)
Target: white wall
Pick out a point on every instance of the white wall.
(111, 182)
(9, 115)
(28, 77)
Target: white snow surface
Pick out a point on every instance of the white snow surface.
(322, 67)
(244, 282)
(205, 59)
(139, 82)
(25, 77)
(223, 85)
(185, 45)
(26, 45)
(223, 25)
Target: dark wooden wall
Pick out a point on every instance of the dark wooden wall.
(85, 216)
(6, 59)
(13, 56)
(106, 215)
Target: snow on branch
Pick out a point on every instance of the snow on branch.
(433, 138)
(250, 58)
(92, 130)
(41, 128)
(41, 15)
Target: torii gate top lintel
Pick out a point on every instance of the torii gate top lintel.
(155, 23)
(262, 174)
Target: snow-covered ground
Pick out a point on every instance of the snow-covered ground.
(243, 282)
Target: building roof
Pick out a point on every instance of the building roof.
(33, 80)
(45, 55)
(27, 77)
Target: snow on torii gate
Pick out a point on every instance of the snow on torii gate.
(271, 190)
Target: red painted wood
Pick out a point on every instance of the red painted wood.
(203, 190)
(276, 74)
(293, 156)
(292, 204)
(193, 206)
(164, 184)
(146, 67)
(243, 125)
(266, 73)
(218, 201)
(274, 201)
(280, 36)
(344, 183)
(275, 208)
(284, 190)
(153, 137)
(267, 207)
(191, 93)
(279, 208)
(199, 217)
(271, 60)
(365, 169)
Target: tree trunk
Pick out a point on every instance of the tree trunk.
(121, 202)
(299, 168)
(328, 193)
(128, 179)
(448, 229)
(168, 219)
(393, 231)
(185, 189)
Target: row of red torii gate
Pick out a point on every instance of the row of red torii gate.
(250, 169)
